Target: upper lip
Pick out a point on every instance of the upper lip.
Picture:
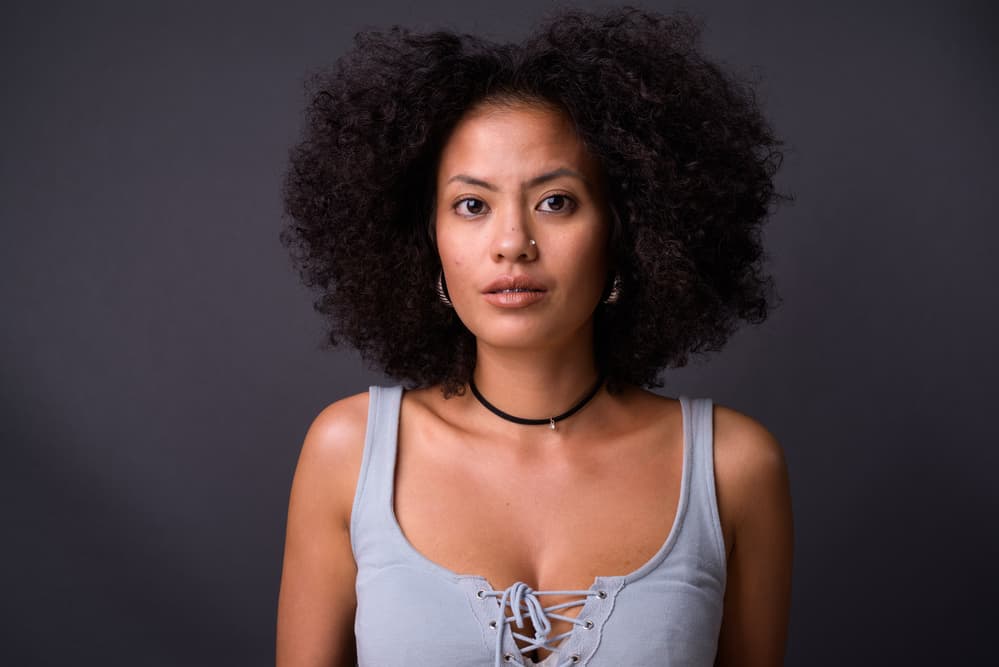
(514, 282)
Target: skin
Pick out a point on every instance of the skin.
(618, 457)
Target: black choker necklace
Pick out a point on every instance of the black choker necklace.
(534, 422)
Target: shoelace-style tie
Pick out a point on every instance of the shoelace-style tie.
(521, 598)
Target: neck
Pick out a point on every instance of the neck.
(537, 383)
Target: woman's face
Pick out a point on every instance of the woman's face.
(507, 176)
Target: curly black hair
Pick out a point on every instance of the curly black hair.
(687, 157)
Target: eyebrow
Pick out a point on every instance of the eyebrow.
(530, 183)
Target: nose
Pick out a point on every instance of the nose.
(512, 240)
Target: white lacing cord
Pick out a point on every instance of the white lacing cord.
(522, 598)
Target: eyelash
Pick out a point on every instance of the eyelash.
(572, 205)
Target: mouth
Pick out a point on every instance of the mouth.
(510, 284)
(514, 297)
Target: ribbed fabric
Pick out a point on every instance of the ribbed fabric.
(413, 612)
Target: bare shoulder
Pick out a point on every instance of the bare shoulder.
(754, 505)
(317, 601)
(750, 468)
(745, 448)
(339, 428)
(332, 452)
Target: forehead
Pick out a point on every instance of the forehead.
(514, 141)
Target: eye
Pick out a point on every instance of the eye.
(474, 207)
(559, 203)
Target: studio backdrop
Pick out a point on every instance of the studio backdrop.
(161, 362)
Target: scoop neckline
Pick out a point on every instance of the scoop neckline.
(654, 561)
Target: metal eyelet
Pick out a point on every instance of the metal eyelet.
(507, 657)
(601, 594)
(574, 657)
(481, 593)
(588, 625)
(492, 624)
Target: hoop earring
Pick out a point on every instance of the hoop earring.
(441, 293)
(615, 292)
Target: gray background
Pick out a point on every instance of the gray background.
(160, 363)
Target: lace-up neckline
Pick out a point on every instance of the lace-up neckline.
(522, 598)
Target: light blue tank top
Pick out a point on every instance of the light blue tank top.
(413, 612)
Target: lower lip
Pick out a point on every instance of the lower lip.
(513, 299)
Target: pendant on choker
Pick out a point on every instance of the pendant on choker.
(532, 422)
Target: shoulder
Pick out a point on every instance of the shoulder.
(317, 598)
(744, 448)
(754, 504)
(750, 470)
(330, 460)
(335, 431)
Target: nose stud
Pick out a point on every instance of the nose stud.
(533, 242)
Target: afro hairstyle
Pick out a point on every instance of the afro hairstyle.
(688, 159)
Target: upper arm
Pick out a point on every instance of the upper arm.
(317, 600)
(755, 506)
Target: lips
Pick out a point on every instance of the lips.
(514, 292)
(513, 284)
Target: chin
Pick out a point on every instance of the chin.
(523, 332)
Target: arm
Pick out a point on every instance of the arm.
(755, 505)
(317, 601)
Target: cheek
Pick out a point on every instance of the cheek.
(455, 262)
(596, 263)
(448, 248)
(589, 256)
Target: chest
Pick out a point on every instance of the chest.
(554, 522)
(538, 522)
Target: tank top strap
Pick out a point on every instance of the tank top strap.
(703, 499)
(371, 511)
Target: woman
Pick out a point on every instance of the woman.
(527, 235)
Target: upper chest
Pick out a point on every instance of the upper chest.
(553, 518)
